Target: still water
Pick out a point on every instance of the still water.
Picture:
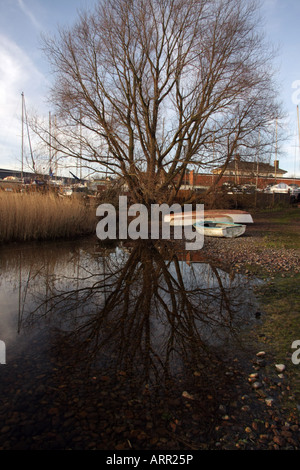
(114, 347)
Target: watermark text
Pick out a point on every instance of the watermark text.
(296, 94)
(296, 354)
(137, 222)
(2, 353)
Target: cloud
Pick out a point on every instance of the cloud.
(17, 70)
(29, 14)
(17, 74)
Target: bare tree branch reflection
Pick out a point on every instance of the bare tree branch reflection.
(146, 311)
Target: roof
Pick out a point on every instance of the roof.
(252, 167)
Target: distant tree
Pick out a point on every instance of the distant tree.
(149, 88)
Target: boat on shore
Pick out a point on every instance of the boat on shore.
(217, 215)
(210, 228)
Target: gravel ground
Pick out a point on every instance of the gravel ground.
(242, 253)
(260, 419)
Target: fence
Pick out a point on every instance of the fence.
(244, 201)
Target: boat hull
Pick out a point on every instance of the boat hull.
(220, 230)
(189, 218)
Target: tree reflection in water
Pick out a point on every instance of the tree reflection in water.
(149, 311)
(132, 347)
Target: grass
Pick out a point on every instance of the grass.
(288, 240)
(285, 231)
(280, 301)
(38, 216)
(279, 294)
(286, 216)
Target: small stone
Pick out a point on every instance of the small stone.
(254, 426)
(278, 440)
(252, 379)
(261, 354)
(280, 367)
(188, 395)
(269, 401)
(256, 385)
(245, 408)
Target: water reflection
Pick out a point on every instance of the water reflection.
(147, 313)
(147, 307)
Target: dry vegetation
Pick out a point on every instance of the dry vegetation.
(40, 216)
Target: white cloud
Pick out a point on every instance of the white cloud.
(29, 14)
(17, 74)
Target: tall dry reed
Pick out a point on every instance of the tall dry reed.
(37, 216)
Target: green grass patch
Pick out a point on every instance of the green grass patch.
(281, 239)
(286, 217)
(279, 214)
(280, 300)
(283, 228)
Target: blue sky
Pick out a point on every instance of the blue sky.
(23, 67)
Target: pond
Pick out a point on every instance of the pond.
(120, 346)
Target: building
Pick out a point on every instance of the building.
(247, 169)
(239, 173)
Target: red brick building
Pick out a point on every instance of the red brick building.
(240, 173)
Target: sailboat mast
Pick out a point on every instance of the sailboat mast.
(55, 153)
(22, 148)
(276, 151)
(50, 143)
(298, 125)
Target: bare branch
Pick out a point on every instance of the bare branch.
(158, 85)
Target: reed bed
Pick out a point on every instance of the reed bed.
(37, 216)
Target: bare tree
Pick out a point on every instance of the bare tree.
(142, 308)
(149, 88)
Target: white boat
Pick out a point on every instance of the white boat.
(190, 219)
(237, 216)
(218, 215)
(219, 229)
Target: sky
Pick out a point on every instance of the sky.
(24, 67)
